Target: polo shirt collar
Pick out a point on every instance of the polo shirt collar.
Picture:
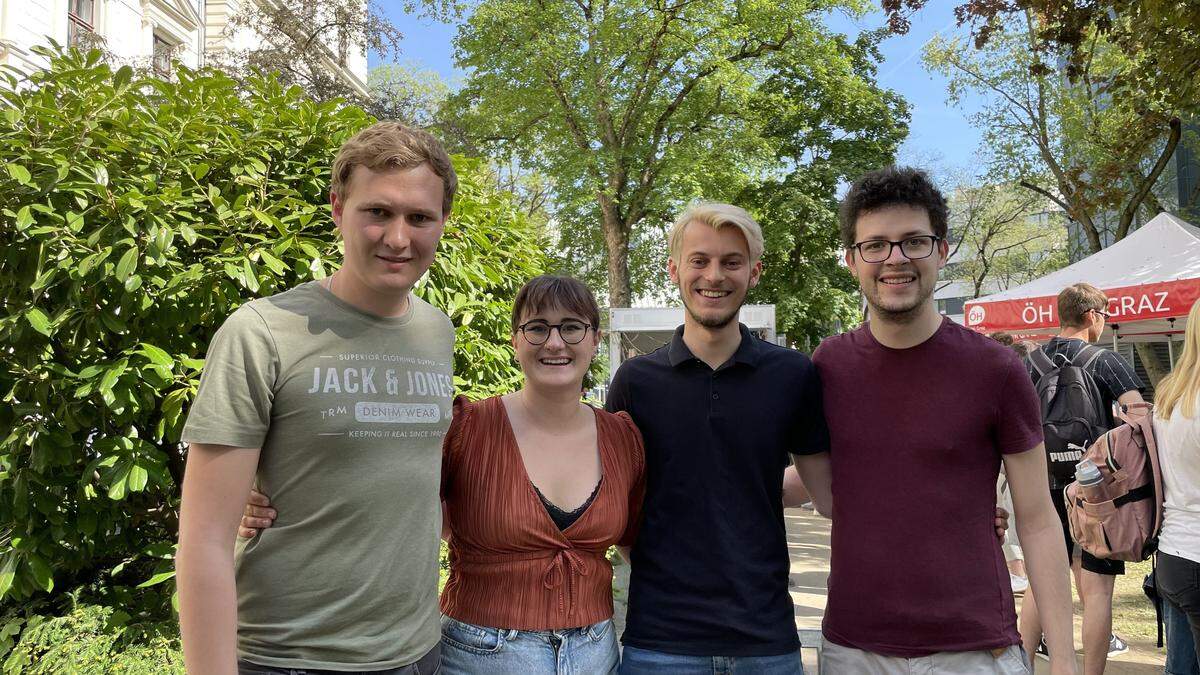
(747, 352)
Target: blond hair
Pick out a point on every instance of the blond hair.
(717, 215)
(1075, 301)
(391, 145)
(1183, 384)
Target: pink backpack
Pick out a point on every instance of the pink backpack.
(1120, 518)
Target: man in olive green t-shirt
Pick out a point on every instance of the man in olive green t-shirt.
(333, 397)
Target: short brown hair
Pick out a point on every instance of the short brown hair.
(554, 291)
(391, 145)
(1002, 337)
(1075, 301)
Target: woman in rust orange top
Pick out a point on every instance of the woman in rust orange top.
(537, 487)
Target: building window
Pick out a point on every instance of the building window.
(951, 306)
(81, 20)
(163, 50)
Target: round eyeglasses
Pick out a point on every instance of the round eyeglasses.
(536, 332)
(913, 248)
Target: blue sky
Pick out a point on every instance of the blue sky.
(940, 136)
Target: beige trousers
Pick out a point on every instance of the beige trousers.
(839, 660)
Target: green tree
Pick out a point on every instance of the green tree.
(1157, 37)
(1075, 144)
(830, 125)
(1003, 236)
(1094, 151)
(307, 43)
(406, 93)
(137, 215)
(632, 108)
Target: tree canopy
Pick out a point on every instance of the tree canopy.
(632, 109)
(1157, 37)
(1095, 154)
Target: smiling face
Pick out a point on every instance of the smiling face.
(713, 272)
(897, 289)
(390, 222)
(555, 364)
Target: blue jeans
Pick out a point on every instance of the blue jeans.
(636, 661)
(1181, 651)
(1179, 587)
(479, 650)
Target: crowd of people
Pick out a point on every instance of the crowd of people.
(334, 401)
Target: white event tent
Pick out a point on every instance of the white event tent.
(1151, 277)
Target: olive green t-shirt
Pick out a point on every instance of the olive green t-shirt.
(349, 410)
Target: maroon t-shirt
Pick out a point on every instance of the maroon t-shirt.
(916, 437)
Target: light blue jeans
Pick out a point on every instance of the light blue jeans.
(636, 661)
(468, 649)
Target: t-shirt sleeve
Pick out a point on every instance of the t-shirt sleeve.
(811, 434)
(1019, 422)
(637, 491)
(618, 392)
(1116, 374)
(233, 402)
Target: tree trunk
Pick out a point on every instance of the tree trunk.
(616, 243)
(1156, 370)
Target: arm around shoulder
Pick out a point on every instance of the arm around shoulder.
(816, 473)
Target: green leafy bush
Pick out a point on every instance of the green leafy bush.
(88, 639)
(136, 215)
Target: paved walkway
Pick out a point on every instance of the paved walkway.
(808, 544)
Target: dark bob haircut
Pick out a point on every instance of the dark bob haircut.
(892, 186)
(546, 291)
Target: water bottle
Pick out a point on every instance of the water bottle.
(1090, 480)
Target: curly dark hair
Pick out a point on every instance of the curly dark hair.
(892, 186)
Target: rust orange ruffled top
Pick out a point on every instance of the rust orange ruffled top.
(510, 565)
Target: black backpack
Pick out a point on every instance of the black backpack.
(1073, 414)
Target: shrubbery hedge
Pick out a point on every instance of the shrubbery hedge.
(135, 215)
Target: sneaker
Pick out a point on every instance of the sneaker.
(1041, 651)
(1019, 584)
(1116, 646)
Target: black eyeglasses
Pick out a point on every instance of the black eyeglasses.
(1103, 313)
(913, 248)
(536, 332)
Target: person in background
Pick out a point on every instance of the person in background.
(1013, 556)
(1181, 647)
(1177, 431)
(1082, 311)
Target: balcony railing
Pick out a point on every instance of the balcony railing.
(77, 30)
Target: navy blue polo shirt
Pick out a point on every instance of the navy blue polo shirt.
(710, 565)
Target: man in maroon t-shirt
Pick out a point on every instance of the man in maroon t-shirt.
(921, 413)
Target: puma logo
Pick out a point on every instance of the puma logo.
(1073, 456)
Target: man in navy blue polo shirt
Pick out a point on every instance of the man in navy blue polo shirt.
(722, 414)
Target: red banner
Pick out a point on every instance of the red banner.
(1129, 303)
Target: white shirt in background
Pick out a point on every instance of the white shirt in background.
(1178, 440)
